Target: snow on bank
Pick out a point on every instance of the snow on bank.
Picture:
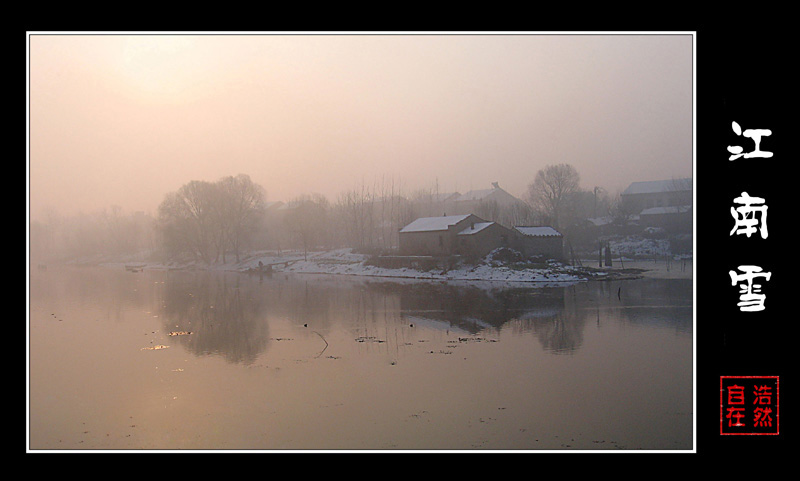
(636, 247)
(345, 262)
(488, 270)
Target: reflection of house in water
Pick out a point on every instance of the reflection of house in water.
(473, 309)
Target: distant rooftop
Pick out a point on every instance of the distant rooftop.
(538, 231)
(475, 194)
(446, 196)
(425, 224)
(677, 209)
(479, 194)
(655, 186)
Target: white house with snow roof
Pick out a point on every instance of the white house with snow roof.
(465, 234)
(469, 235)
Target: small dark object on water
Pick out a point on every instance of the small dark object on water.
(619, 291)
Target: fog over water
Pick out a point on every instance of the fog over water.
(164, 359)
(220, 254)
(123, 119)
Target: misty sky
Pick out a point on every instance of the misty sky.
(124, 119)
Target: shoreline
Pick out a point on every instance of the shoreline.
(342, 262)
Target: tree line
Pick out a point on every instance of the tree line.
(219, 221)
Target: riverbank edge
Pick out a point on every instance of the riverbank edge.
(343, 262)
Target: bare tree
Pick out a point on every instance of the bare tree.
(241, 205)
(620, 210)
(306, 220)
(357, 209)
(681, 191)
(204, 219)
(186, 220)
(552, 188)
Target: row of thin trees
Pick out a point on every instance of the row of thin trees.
(209, 221)
(219, 221)
(89, 237)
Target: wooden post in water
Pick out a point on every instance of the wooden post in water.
(600, 254)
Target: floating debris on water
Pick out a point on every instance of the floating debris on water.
(180, 333)
(154, 348)
(368, 338)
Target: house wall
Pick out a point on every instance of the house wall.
(483, 242)
(639, 202)
(430, 243)
(549, 246)
(433, 243)
(670, 221)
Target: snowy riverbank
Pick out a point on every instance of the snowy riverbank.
(346, 262)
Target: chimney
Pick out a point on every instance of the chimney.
(495, 185)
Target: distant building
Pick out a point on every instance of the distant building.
(663, 203)
(539, 240)
(658, 193)
(495, 194)
(483, 199)
(670, 218)
(494, 204)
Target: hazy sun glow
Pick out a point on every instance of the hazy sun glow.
(125, 119)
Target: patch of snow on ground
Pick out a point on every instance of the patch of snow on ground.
(345, 262)
(640, 247)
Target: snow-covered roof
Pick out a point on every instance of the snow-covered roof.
(424, 224)
(538, 231)
(678, 209)
(475, 228)
(598, 221)
(656, 186)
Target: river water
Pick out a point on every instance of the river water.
(171, 360)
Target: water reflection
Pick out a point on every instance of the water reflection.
(230, 314)
(662, 303)
(221, 312)
(400, 353)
